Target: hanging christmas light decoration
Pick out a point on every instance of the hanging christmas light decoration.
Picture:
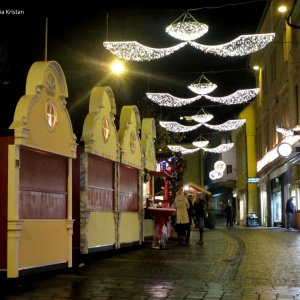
(201, 143)
(189, 29)
(238, 97)
(132, 50)
(242, 45)
(183, 150)
(220, 149)
(176, 127)
(228, 125)
(165, 99)
(220, 166)
(202, 86)
(215, 174)
(203, 117)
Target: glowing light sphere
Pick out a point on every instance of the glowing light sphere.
(214, 174)
(220, 166)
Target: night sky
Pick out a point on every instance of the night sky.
(75, 37)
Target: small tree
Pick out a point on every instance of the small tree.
(164, 137)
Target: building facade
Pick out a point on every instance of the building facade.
(277, 117)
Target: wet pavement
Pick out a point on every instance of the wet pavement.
(239, 263)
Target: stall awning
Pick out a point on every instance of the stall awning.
(195, 188)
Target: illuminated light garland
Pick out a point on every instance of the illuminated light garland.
(242, 45)
(220, 149)
(188, 29)
(228, 125)
(165, 99)
(132, 50)
(202, 86)
(176, 127)
(238, 97)
(181, 149)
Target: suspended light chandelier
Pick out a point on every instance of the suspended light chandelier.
(188, 30)
(176, 127)
(201, 143)
(202, 86)
(202, 118)
(165, 99)
(227, 126)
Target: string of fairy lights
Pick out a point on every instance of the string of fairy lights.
(187, 29)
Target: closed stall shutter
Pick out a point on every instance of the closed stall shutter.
(100, 184)
(43, 185)
(129, 179)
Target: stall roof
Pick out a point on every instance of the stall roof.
(195, 188)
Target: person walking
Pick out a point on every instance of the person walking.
(200, 214)
(229, 211)
(290, 210)
(190, 214)
(182, 218)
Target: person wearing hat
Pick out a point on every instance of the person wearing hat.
(290, 210)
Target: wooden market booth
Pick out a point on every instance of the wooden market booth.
(36, 199)
(95, 185)
(130, 206)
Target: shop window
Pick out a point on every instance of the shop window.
(229, 169)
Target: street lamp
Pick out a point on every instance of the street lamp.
(117, 67)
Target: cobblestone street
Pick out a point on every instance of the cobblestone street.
(238, 263)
